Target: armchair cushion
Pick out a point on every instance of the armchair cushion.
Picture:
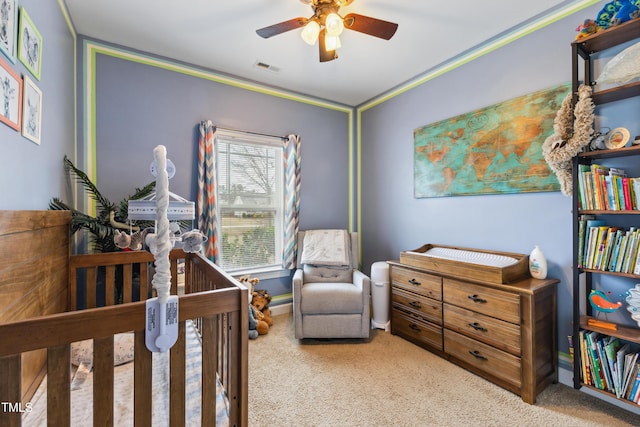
(331, 298)
(314, 273)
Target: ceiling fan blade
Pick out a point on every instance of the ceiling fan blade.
(325, 55)
(371, 26)
(282, 27)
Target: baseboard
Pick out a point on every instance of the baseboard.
(279, 309)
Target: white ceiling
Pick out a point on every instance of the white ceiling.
(220, 35)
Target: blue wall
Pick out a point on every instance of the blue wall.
(393, 220)
(32, 174)
(139, 106)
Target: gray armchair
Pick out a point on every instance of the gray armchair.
(330, 300)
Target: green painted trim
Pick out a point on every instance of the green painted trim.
(455, 63)
(92, 49)
(211, 76)
(281, 299)
(72, 31)
(481, 51)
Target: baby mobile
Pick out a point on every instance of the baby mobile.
(161, 311)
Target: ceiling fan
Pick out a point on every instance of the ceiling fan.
(326, 25)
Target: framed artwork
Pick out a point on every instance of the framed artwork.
(8, 25)
(31, 111)
(494, 150)
(10, 96)
(29, 44)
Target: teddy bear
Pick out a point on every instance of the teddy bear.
(257, 325)
(260, 300)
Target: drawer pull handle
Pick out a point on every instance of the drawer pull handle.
(477, 355)
(415, 304)
(415, 327)
(415, 282)
(477, 327)
(476, 298)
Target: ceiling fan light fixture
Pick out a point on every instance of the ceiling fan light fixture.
(310, 33)
(332, 42)
(333, 24)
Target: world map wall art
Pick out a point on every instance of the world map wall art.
(494, 150)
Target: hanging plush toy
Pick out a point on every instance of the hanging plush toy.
(569, 136)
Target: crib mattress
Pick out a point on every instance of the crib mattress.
(82, 391)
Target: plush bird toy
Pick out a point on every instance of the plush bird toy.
(602, 304)
(587, 28)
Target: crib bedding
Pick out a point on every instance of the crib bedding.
(82, 386)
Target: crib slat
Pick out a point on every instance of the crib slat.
(58, 385)
(144, 282)
(91, 287)
(103, 381)
(127, 271)
(209, 367)
(142, 382)
(110, 288)
(10, 391)
(177, 375)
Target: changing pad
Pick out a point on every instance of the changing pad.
(473, 257)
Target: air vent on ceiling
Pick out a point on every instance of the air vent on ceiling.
(264, 66)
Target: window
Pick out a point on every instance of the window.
(250, 201)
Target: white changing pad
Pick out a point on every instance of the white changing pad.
(472, 257)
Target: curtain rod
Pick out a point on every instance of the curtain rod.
(283, 138)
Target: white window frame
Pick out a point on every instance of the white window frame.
(238, 137)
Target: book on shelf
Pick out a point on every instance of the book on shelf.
(630, 371)
(606, 188)
(608, 248)
(610, 364)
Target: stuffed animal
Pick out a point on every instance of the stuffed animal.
(253, 324)
(249, 282)
(129, 242)
(588, 27)
(260, 301)
(572, 131)
(193, 240)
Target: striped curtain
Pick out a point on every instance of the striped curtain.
(207, 201)
(292, 200)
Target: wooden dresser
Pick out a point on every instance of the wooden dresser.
(505, 333)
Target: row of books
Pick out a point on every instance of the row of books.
(606, 248)
(610, 364)
(604, 188)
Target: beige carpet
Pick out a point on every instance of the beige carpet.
(391, 382)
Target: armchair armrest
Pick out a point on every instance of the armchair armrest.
(362, 281)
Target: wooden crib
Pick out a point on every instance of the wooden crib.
(48, 300)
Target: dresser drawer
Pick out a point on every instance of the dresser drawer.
(426, 307)
(415, 328)
(494, 362)
(498, 333)
(492, 302)
(418, 282)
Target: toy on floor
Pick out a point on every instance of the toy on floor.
(257, 323)
(260, 301)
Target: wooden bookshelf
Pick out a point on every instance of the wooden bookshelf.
(627, 333)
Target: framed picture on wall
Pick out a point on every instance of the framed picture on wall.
(29, 44)
(8, 26)
(31, 111)
(10, 96)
